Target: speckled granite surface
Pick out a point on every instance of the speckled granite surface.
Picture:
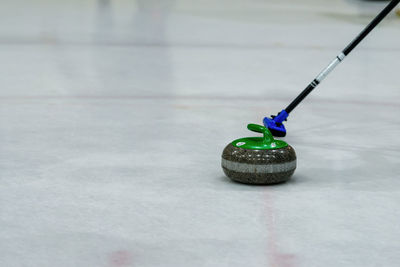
(258, 166)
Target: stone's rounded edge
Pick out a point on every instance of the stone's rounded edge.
(258, 168)
(270, 156)
(259, 179)
(259, 157)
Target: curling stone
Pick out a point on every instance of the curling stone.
(259, 160)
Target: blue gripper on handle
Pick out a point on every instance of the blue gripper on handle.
(275, 123)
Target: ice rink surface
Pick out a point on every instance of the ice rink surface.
(114, 115)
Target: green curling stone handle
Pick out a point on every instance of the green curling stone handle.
(263, 143)
(256, 128)
(268, 138)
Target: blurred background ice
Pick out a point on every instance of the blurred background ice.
(114, 114)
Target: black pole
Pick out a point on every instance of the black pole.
(371, 26)
(342, 55)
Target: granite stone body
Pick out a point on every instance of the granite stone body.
(270, 166)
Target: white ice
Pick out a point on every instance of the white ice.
(114, 115)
